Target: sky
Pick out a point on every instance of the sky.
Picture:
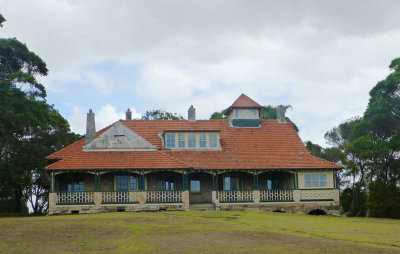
(320, 57)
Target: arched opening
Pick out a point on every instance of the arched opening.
(317, 212)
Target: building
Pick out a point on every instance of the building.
(239, 163)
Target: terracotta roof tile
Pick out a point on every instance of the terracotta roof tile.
(243, 101)
(274, 145)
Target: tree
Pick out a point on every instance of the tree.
(30, 129)
(371, 145)
(159, 114)
(2, 19)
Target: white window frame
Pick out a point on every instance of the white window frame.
(315, 180)
(170, 142)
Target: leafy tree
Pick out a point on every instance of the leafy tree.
(371, 145)
(159, 114)
(30, 129)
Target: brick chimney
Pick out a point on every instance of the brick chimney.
(128, 114)
(90, 127)
(280, 113)
(192, 114)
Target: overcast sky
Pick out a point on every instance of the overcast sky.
(321, 57)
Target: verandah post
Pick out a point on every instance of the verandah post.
(52, 181)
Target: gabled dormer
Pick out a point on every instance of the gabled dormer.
(244, 112)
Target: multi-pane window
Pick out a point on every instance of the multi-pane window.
(230, 183)
(181, 140)
(125, 183)
(170, 140)
(254, 112)
(212, 140)
(76, 185)
(315, 180)
(133, 182)
(194, 185)
(273, 184)
(192, 140)
(165, 184)
(202, 140)
(236, 113)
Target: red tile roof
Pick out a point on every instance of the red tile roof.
(243, 101)
(273, 146)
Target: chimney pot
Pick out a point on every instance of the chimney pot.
(90, 127)
(128, 114)
(192, 114)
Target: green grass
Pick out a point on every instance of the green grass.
(194, 232)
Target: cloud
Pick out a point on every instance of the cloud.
(105, 116)
(320, 57)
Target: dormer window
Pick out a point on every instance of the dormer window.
(212, 140)
(181, 140)
(190, 140)
(244, 112)
(170, 140)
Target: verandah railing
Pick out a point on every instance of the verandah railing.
(164, 196)
(277, 195)
(119, 197)
(78, 197)
(233, 196)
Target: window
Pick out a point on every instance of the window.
(273, 184)
(194, 185)
(203, 140)
(133, 183)
(76, 185)
(254, 112)
(125, 183)
(181, 140)
(236, 113)
(230, 183)
(315, 180)
(171, 140)
(212, 140)
(163, 184)
(192, 140)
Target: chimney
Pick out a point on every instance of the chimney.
(90, 127)
(128, 114)
(280, 113)
(192, 114)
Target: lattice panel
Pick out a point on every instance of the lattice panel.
(119, 197)
(75, 197)
(316, 194)
(235, 196)
(164, 196)
(276, 195)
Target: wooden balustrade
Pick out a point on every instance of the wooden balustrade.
(165, 196)
(278, 195)
(234, 196)
(70, 198)
(119, 197)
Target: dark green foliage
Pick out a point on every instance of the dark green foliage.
(30, 129)
(159, 114)
(2, 19)
(371, 145)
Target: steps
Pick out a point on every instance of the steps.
(202, 207)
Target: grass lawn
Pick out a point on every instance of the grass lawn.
(197, 231)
